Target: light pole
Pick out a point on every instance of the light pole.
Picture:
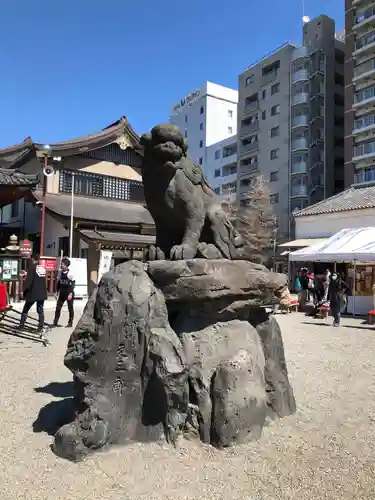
(44, 153)
(71, 219)
(274, 241)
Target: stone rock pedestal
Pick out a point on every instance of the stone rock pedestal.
(168, 347)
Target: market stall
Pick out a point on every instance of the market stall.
(356, 247)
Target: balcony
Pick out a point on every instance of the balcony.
(251, 106)
(364, 97)
(301, 52)
(364, 43)
(364, 70)
(247, 148)
(252, 127)
(364, 151)
(300, 98)
(245, 188)
(367, 176)
(301, 143)
(364, 124)
(364, 18)
(300, 121)
(299, 190)
(299, 168)
(300, 76)
(248, 169)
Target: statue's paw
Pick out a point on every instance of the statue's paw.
(155, 253)
(183, 252)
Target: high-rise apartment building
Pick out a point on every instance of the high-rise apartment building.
(360, 92)
(221, 168)
(290, 121)
(206, 116)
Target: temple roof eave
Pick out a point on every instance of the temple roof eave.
(16, 155)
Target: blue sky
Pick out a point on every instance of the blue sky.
(72, 67)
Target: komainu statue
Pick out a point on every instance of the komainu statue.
(189, 221)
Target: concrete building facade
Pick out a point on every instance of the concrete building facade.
(206, 116)
(360, 92)
(291, 122)
(221, 167)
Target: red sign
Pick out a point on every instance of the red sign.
(48, 263)
(26, 249)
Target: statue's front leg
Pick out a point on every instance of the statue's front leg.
(195, 216)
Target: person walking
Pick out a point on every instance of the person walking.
(34, 290)
(335, 297)
(65, 290)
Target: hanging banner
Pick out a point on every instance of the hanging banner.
(104, 263)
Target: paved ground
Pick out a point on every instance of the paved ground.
(325, 451)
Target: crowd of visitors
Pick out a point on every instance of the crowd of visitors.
(329, 289)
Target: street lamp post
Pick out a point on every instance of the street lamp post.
(42, 224)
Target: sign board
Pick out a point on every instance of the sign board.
(49, 263)
(79, 269)
(26, 249)
(187, 100)
(104, 263)
(9, 269)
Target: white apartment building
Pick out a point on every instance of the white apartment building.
(221, 167)
(206, 116)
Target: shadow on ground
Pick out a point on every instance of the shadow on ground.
(55, 414)
(57, 389)
(356, 327)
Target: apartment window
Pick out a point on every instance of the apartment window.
(217, 172)
(274, 154)
(274, 198)
(264, 94)
(245, 182)
(185, 134)
(253, 139)
(264, 114)
(231, 169)
(202, 110)
(217, 190)
(201, 144)
(228, 188)
(275, 88)
(230, 113)
(217, 154)
(15, 209)
(201, 126)
(249, 80)
(185, 119)
(275, 131)
(274, 176)
(249, 161)
(200, 161)
(271, 69)
(275, 110)
(230, 130)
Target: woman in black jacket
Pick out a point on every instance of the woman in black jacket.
(34, 290)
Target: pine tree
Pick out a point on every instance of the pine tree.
(255, 221)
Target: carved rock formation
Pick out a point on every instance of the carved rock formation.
(168, 347)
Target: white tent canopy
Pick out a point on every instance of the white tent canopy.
(347, 245)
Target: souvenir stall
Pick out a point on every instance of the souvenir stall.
(356, 248)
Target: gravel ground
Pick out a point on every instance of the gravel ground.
(325, 451)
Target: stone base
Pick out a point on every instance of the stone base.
(166, 347)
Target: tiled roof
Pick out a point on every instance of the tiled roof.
(108, 236)
(351, 199)
(14, 178)
(16, 155)
(96, 209)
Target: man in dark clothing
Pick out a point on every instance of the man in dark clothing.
(335, 297)
(34, 290)
(65, 289)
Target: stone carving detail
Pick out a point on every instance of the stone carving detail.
(182, 346)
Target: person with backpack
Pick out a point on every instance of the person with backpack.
(34, 290)
(65, 290)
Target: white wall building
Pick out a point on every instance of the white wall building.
(221, 167)
(206, 116)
